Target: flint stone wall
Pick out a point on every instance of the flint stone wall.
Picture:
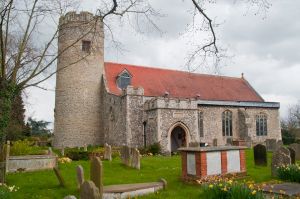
(243, 127)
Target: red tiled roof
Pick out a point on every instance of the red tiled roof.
(180, 84)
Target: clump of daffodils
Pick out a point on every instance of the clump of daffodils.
(12, 188)
(64, 160)
(289, 172)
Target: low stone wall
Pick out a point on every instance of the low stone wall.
(31, 162)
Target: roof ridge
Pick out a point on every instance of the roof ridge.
(176, 70)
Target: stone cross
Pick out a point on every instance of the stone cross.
(280, 157)
(96, 173)
(80, 176)
(89, 191)
(59, 177)
(7, 155)
(260, 155)
(296, 148)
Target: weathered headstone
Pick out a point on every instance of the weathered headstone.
(280, 157)
(271, 144)
(50, 152)
(215, 142)
(89, 190)
(107, 152)
(59, 177)
(292, 155)
(96, 173)
(260, 155)
(85, 148)
(136, 159)
(80, 175)
(7, 155)
(296, 148)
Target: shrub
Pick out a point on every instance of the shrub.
(25, 147)
(231, 190)
(152, 149)
(289, 173)
(76, 154)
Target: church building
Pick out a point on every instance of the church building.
(101, 102)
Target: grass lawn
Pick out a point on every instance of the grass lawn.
(43, 184)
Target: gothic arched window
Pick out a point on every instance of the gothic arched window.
(227, 123)
(261, 125)
(123, 80)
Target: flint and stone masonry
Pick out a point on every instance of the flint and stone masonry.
(91, 109)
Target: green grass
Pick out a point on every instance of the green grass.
(43, 184)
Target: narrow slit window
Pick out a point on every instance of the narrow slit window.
(200, 124)
(86, 46)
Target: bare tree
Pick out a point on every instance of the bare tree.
(28, 57)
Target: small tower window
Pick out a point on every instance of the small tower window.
(86, 46)
(123, 80)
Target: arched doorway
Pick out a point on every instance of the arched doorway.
(178, 138)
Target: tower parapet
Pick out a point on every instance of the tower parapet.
(78, 80)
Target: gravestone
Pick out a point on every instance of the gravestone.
(50, 152)
(215, 142)
(80, 175)
(271, 144)
(280, 157)
(296, 148)
(136, 159)
(96, 173)
(85, 148)
(260, 155)
(89, 190)
(107, 152)
(59, 177)
(7, 155)
(292, 155)
(126, 155)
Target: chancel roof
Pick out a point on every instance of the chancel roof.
(181, 84)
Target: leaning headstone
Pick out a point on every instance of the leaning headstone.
(89, 190)
(96, 173)
(271, 144)
(215, 142)
(260, 155)
(59, 177)
(7, 155)
(296, 148)
(80, 176)
(292, 155)
(136, 159)
(280, 157)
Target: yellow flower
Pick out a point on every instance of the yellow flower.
(230, 182)
(220, 185)
(211, 186)
(250, 186)
(253, 192)
(225, 189)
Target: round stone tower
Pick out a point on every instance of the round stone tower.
(80, 65)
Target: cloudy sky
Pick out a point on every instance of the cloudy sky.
(263, 46)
